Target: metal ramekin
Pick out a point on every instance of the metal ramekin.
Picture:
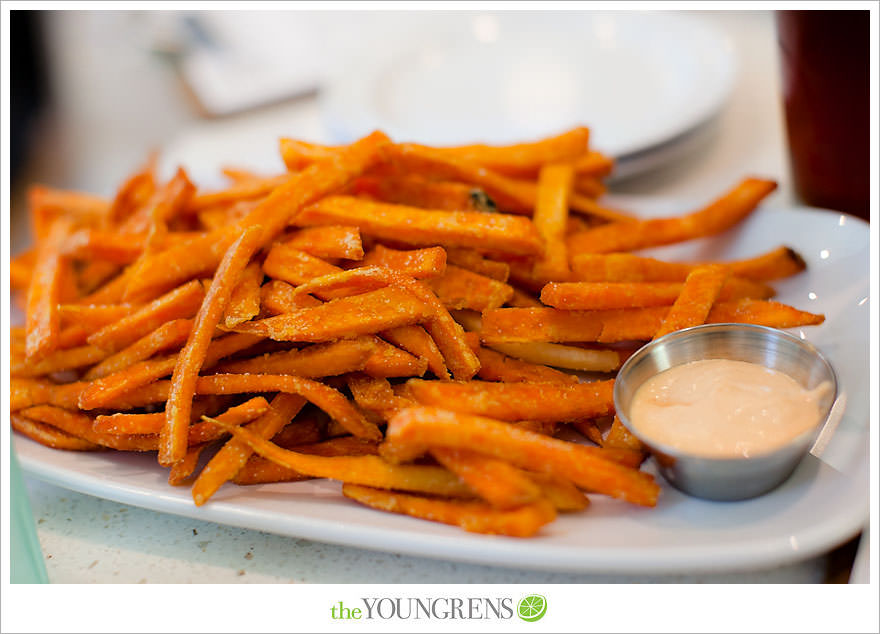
(727, 478)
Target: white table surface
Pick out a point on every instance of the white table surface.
(90, 540)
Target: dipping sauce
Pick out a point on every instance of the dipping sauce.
(720, 408)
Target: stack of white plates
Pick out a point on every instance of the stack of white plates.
(647, 84)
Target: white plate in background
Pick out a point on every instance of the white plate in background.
(823, 504)
(638, 80)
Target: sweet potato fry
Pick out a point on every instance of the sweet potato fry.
(367, 470)
(495, 366)
(169, 335)
(625, 267)
(259, 470)
(421, 192)
(550, 218)
(375, 395)
(515, 325)
(562, 494)
(323, 396)
(445, 331)
(593, 164)
(58, 361)
(413, 429)
(329, 242)
(459, 288)
(47, 205)
(296, 267)
(134, 193)
(243, 190)
(93, 316)
(203, 254)
(232, 456)
(524, 160)
(21, 267)
(518, 401)
(718, 216)
(420, 227)
(173, 438)
(50, 436)
(80, 425)
(619, 437)
(43, 322)
(181, 303)
(499, 483)
(386, 361)
(346, 317)
(475, 517)
(244, 303)
(698, 294)
(608, 295)
(323, 359)
(552, 354)
(418, 263)
(473, 261)
(416, 341)
(278, 297)
(199, 432)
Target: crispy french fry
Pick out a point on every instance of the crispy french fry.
(625, 267)
(524, 160)
(413, 429)
(503, 325)
(134, 193)
(47, 205)
(203, 254)
(718, 216)
(173, 438)
(50, 436)
(495, 366)
(93, 316)
(418, 263)
(59, 361)
(420, 227)
(346, 317)
(386, 361)
(459, 288)
(259, 470)
(291, 265)
(562, 494)
(171, 334)
(243, 190)
(323, 396)
(277, 297)
(550, 218)
(445, 331)
(244, 303)
(181, 303)
(619, 437)
(416, 341)
(43, 322)
(421, 192)
(698, 294)
(368, 470)
(323, 359)
(329, 242)
(80, 425)
(374, 394)
(227, 462)
(500, 484)
(473, 261)
(608, 295)
(552, 354)
(475, 517)
(518, 401)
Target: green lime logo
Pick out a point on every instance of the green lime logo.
(532, 608)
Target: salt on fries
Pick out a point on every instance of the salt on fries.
(393, 316)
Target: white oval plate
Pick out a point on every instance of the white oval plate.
(637, 79)
(823, 504)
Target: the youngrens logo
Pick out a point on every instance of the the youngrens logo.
(530, 608)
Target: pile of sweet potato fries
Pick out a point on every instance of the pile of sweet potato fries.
(393, 316)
